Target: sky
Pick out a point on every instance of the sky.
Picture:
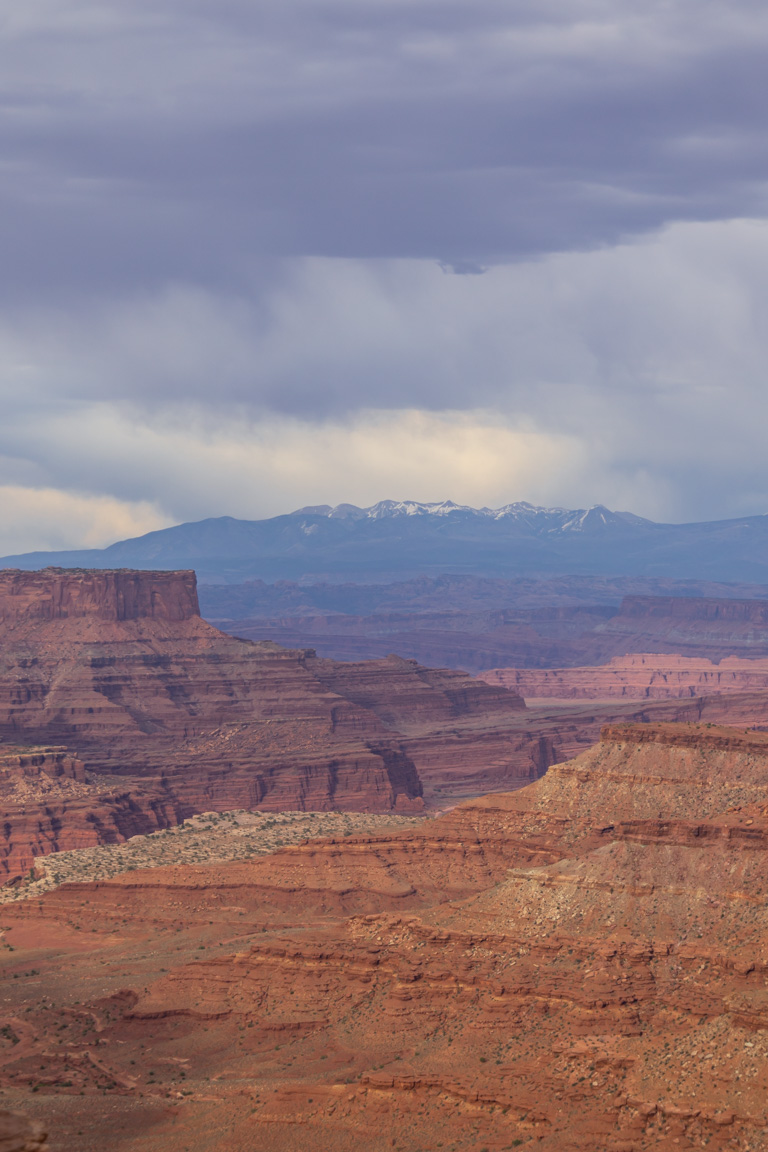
(260, 254)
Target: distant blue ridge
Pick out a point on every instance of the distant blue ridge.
(397, 540)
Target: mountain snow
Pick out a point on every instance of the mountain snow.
(533, 516)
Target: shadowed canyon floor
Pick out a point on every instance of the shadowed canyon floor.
(577, 965)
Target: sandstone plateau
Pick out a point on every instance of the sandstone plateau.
(579, 965)
(636, 677)
(155, 714)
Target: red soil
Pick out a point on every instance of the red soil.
(577, 965)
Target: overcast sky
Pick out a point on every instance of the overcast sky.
(258, 254)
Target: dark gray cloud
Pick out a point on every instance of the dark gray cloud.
(264, 254)
(182, 140)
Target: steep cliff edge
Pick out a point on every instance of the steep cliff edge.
(49, 804)
(71, 594)
(120, 667)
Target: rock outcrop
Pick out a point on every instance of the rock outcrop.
(49, 805)
(169, 716)
(27, 598)
(645, 676)
(579, 964)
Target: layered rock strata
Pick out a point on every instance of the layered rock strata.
(580, 964)
(120, 668)
(645, 676)
(49, 804)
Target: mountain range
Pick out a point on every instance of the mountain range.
(395, 540)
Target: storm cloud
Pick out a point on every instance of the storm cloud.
(260, 254)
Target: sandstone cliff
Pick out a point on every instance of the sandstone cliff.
(177, 717)
(643, 676)
(577, 965)
(49, 805)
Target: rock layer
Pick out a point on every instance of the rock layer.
(637, 677)
(50, 805)
(119, 667)
(580, 964)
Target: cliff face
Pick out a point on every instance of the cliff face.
(688, 626)
(407, 696)
(61, 594)
(50, 805)
(119, 667)
(579, 964)
(645, 676)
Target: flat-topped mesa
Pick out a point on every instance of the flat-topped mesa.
(121, 594)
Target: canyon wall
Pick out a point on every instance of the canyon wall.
(49, 804)
(644, 676)
(579, 964)
(65, 594)
(120, 668)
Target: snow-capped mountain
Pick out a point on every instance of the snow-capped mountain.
(521, 512)
(401, 539)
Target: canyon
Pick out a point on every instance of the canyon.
(577, 964)
(123, 712)
(546, 930)
(127, 712)
(472, 624)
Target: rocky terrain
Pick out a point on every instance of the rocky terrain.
(208, 838)
(638, 677)
(576, 965)
(158, 715)
(20, 1134)
(50, 804)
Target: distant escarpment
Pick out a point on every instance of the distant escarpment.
(636, 677)
(120, 668)
(577, 965)
(455, 623)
